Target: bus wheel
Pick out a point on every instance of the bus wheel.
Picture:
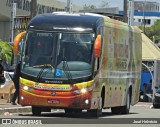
(68, 111)
(125, 109)
(94, 112)
(72, 111)
(156, 106)
(36, 111)
(116, 110)
(77, 110)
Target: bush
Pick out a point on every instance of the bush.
(5, 51)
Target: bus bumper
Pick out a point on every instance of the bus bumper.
(78, 101)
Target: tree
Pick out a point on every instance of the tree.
(89, 7)
(156, 31)
(153, 32)
(5, 52)
(104, 4)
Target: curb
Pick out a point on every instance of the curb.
(15, 109)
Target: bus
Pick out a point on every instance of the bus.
(79, 61)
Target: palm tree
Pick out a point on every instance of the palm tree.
(5, 52)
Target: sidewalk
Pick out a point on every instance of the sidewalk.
(7, 108)
(144, 104)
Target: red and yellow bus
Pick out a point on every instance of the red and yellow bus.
(79, 62)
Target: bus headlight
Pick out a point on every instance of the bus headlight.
(22, 98)
(84, 90)
(86, 101)
(27, 88)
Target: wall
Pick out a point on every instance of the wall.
(151, 20)
(5, 31)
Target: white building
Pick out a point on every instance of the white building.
(147, 6)
(149, 17)
(146, 12)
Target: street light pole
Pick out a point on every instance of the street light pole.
(144, 4)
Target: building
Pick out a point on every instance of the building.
(112, 12)
(146, 6)
(145, 12)
(23, 13)
(149, 17)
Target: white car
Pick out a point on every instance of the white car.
(7, 78)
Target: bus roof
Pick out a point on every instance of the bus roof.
(53, 21)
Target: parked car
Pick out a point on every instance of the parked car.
(156, 100)
(7, 78)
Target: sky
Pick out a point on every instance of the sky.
(112, 3)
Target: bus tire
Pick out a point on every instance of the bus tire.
(68, 111)
(94, 112)
(116, 110)
(36, 111)
(72, 111)
(156, 106)
(125, 109)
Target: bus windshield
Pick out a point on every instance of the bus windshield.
(50, 55)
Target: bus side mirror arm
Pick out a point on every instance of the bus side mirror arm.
(17, 39)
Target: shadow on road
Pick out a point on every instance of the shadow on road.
(61, 114)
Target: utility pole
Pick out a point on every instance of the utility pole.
(125, 8)
(13, 16)
(33, 8)
(130, 12)
(144, 22)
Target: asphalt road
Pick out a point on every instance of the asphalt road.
(142, 113)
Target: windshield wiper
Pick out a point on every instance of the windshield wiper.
(67, 71)
(66, 68)
(43, 67)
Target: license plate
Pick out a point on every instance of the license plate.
(52, 101)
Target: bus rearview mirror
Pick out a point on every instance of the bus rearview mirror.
(97, 46)
(17, 40)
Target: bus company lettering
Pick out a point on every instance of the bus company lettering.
(52, 87)
(59, 82)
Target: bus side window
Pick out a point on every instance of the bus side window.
(96, 66)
